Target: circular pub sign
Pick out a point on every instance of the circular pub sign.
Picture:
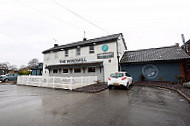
(150, 71)
(104, 48)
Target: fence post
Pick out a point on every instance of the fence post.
(89, 80)
(53, 82)
(81, 78)
(28, 80)
(71, 83)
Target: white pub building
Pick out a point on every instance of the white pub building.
(94, 57)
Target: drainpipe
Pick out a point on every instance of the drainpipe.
(118, 56)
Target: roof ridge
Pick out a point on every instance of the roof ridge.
(91, 39)
(152, 48)
(81, 43)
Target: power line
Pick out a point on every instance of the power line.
(8, 34)
(79, 16)
(54, 17)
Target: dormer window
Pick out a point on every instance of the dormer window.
(91, 49)
(66, 53)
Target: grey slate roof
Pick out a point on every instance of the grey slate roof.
(155, 54)
(188, 42)
(85, 43)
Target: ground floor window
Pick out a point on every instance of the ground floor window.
(65, 70)
(91, 69)
(55, 70)
(77, 70)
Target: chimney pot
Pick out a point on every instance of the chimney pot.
(55, 45)
(177, 44)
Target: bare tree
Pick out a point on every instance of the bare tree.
(33, 63)
(5, 65)
(13, 67)
(22, 67)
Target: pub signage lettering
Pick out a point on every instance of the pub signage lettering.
(80, 60)
(105, 55)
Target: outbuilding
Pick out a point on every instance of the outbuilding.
(93, 57)
(155, 64)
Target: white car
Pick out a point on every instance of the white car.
(119, 79)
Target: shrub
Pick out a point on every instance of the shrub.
(180, 78)
(160, 79)
(98, 82)
(24, 72)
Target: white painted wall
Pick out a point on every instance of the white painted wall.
(54, 58)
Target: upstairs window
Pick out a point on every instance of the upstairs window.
(78, 51)
(55, 55)
(66, 53)
(91, 49)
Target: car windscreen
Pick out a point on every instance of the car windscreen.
(126, 74)
(116, 75)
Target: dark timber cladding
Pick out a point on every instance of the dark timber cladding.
(155, 64)
(100, 40)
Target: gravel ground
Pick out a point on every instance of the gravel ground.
(92, 88)
(175, 86)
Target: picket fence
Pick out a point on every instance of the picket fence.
(56, 82)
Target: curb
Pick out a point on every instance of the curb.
(178, 91)
(182, 94)
(95, 91)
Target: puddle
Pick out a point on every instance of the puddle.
(181, 100)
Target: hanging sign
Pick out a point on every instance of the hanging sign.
(105, 48)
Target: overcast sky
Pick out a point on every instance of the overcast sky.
(27, 27)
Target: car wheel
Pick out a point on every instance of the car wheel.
(6, 80)
(110, 87)
(127, 87)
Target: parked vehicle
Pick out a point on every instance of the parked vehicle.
(9, 77)
(119, 79)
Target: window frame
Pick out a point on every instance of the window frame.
(53, 71)
(91, 51)
(92, 71)
(78, 51)
(66, 53)
(76, 69)
(55, 55)
(64, 72)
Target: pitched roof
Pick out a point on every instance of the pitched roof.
(188, 42)
(155, 54)
(85, 43)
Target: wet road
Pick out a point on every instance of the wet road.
(140, 106)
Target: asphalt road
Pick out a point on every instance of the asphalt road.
(139, 106)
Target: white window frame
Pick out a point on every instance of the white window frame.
(67, 54)
(53, 71)
(63, 71)
(90, 50)
(77, 72)
(55, 55)
(78, 51)
(91, 67)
